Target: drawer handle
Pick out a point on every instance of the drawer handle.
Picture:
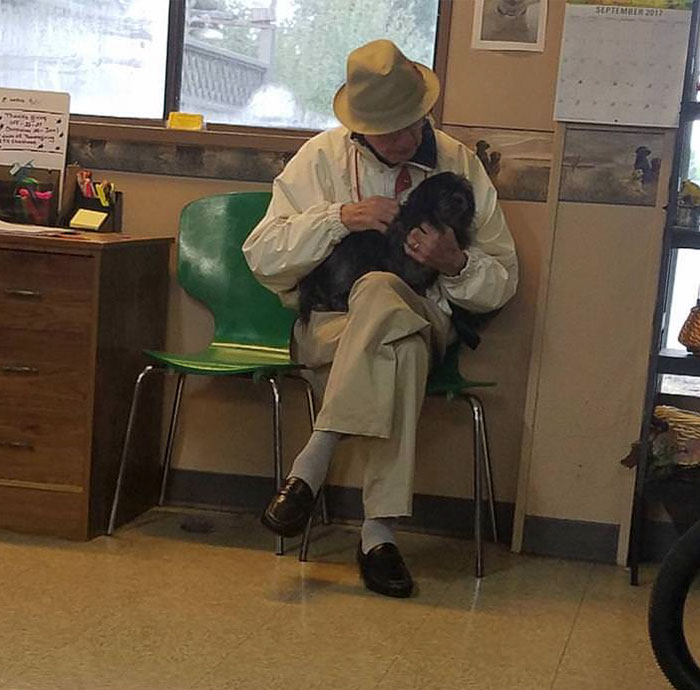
(18, 369)
(16, 292)
(18, 445)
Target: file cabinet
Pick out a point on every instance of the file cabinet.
(75, 314)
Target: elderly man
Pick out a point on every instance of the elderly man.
(374, 359)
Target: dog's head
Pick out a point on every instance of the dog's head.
(445, 200)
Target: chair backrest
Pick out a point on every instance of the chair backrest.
(212, 269)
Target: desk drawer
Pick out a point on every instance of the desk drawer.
(45, 366)
(46, 291)
(43, 512)
(36, 447)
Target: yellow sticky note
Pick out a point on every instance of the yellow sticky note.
(185, 121)
(85, 219)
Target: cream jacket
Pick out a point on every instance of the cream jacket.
(302, 224)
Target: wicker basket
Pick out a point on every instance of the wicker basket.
(690, 333)
(679, 489)
(685, 426)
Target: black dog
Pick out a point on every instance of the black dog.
(443, 200)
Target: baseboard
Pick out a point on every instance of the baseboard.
(586, 541)
(431, 514)
(545, 536)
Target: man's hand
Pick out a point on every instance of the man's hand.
(435, 249)
(374, 213)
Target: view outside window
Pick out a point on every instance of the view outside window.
(270, 63)
(277, 63)
(686, 280)
(110, 56)
(686, 291)
(685, 286)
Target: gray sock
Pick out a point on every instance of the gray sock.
(313, 462)
(377, 531)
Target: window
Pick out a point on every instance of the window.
(278, 62)
(269, 63)
(109, 56)
(685, 268)
(683, 260)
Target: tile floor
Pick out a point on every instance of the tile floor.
(159, 607)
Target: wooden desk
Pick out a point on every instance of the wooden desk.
(75, 313)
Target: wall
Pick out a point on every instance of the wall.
(587, 298)
(220, 415)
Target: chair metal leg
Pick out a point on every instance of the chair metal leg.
(488, 471)
(304, 550)
(125, 447)
(312, 419)
(478, 483)
(321, 497)
(171, 437)
(277, 446)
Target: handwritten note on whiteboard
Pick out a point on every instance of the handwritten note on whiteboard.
(622, 65)
(33, 131)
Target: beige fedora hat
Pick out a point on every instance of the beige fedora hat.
(384, 90)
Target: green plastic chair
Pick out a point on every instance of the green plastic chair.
(252, 330)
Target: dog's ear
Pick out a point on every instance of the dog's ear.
(470, 200)
(463, 197)
(419, 199)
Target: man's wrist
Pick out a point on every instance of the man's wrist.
(457, 266)
(348, 217)
(344, 219)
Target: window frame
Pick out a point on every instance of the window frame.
(226, 135)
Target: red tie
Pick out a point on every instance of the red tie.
(403, 181)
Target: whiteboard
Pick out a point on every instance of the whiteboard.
(622, 65)
(34, 129)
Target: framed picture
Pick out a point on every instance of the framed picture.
(517, 161)
(509, 25)
(611, 166)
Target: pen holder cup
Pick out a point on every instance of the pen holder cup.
(32, 211)
(34, 203)
(114, 211)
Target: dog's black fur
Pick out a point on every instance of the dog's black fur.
(443, 200)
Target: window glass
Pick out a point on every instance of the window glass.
(110, 56)
(691, 165)
(277, 63)
(686, 292)
(685, 281)
(680, 385)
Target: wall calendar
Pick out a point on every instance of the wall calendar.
(622, 64)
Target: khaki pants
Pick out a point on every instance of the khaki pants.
(373, 363)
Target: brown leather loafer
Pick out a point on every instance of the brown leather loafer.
(290, 509)
(384, 571)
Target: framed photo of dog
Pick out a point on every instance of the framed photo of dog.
(610, 166)
(517, 161)
(509, 25)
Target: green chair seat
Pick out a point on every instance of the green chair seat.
(225, 359)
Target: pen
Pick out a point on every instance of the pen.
(101, 195)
